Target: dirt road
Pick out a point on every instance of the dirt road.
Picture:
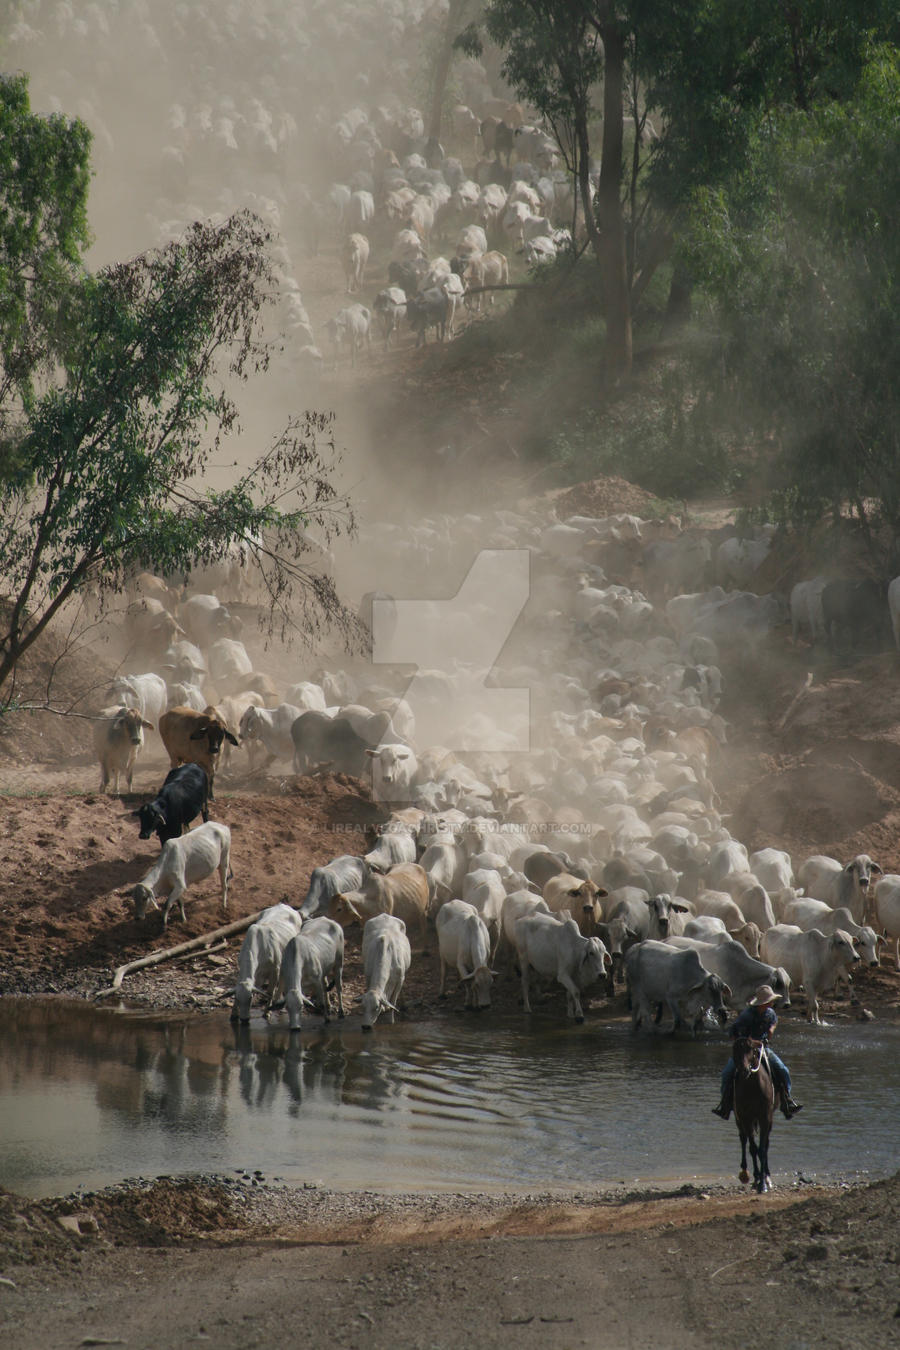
(182, 1264)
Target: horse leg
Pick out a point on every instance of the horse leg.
(743, 1174)
(764, 1159)
(757, 1173)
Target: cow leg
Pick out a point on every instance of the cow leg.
(441, 993)
(338, 973)
(526, 1004)
(223, 877)
(575, 1010)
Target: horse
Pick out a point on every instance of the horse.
(754, 1107)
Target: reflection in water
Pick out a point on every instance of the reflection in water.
(89, 1096)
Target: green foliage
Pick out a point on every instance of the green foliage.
(108, 473)
(44, 178)
(801, 259)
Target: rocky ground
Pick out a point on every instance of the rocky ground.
(179, 1263)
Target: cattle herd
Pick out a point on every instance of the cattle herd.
(580, 843)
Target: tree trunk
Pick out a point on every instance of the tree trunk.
(442, 65)
(613, 257)
(678, 307)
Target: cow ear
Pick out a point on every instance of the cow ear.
(576, 892)
(876, 868)
(601, 892)
(371, 753)
(464, 979)
(681, 909)
(148, 726)
(135, 813)
(233, 739)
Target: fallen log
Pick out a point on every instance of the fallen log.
(194, 945)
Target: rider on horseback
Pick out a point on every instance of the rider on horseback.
(758, 1021)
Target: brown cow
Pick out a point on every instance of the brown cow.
(582, 898)
(402, 891)
(192, 737)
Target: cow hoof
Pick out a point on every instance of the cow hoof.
(579, 1020)
(743, 1176)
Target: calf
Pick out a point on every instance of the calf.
(259, 961)
(192, 737)
(192, 857)
(117, 740)
(464, 942)
(386, 958)
(316, 953)
(183, 796)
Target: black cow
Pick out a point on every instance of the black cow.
(407, 275)
(540, 867)
(855, 612)
(320, 740)
(183, 796)
(430, 309)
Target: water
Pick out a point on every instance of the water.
(91, 1096)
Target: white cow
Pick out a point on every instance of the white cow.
(270, 727)
(555, 948)
(772, 868)
(812, 959)
(259, 961)
(147, 693)
(117, 740)
(445, 864)
(515, 906)
(464, 942)
(386, 957)
(806, 914)
(887, 910)
(192, 857)
(394, 770)
(484, 889)
(676, 978)
(316, 953)
(354, 257)
(825, 879)
(740, 971)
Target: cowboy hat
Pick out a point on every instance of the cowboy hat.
(764, 994)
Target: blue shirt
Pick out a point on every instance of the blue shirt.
(758, 1023)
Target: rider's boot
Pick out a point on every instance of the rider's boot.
(788, 1106)
(724, 1107)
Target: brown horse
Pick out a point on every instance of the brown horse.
(754, 1106)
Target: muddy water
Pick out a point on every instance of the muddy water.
(89, 1097)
